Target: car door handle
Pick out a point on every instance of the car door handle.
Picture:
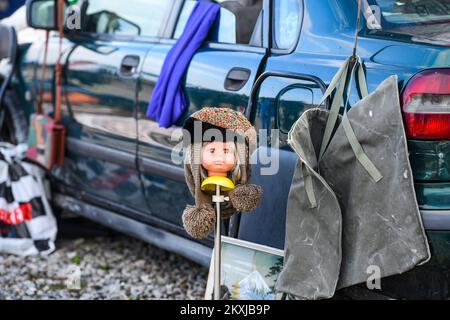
(237, 78)
(129, 65)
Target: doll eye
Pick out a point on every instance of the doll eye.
(212, 150)
(226, 150)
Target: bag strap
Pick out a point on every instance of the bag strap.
(362, 83)
(57, 116)
(352, 139)
(39, 109)
(339, 82)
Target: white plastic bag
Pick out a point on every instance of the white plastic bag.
(27, 224)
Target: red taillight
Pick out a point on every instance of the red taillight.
(426, 105)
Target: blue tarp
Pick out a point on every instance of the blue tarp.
(168, 102)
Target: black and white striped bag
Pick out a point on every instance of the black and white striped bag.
(27, 224)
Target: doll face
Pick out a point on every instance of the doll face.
(218, 158)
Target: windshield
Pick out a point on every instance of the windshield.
(396, 13)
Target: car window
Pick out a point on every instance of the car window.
(287, 15)
(224, 31)
(130, 17)
(411, 12)
(239, 22)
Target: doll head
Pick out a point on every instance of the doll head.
(220, 159)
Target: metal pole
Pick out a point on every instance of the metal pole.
(217, 249)
(358, 22)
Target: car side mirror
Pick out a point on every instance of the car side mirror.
(41, 14)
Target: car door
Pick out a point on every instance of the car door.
(100, 87)
(221, 74)
(282, 93)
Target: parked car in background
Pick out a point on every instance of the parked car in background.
(271, 59)
(8, 7)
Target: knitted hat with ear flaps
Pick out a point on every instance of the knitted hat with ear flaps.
(199, 220)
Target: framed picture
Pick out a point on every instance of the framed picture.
(249, 271)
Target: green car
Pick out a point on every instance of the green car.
(272, 60)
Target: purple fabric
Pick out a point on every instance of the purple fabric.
(168, 102)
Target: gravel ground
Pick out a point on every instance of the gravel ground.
(116, 267)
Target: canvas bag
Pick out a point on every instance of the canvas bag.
(27, 224)
(352, 205)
